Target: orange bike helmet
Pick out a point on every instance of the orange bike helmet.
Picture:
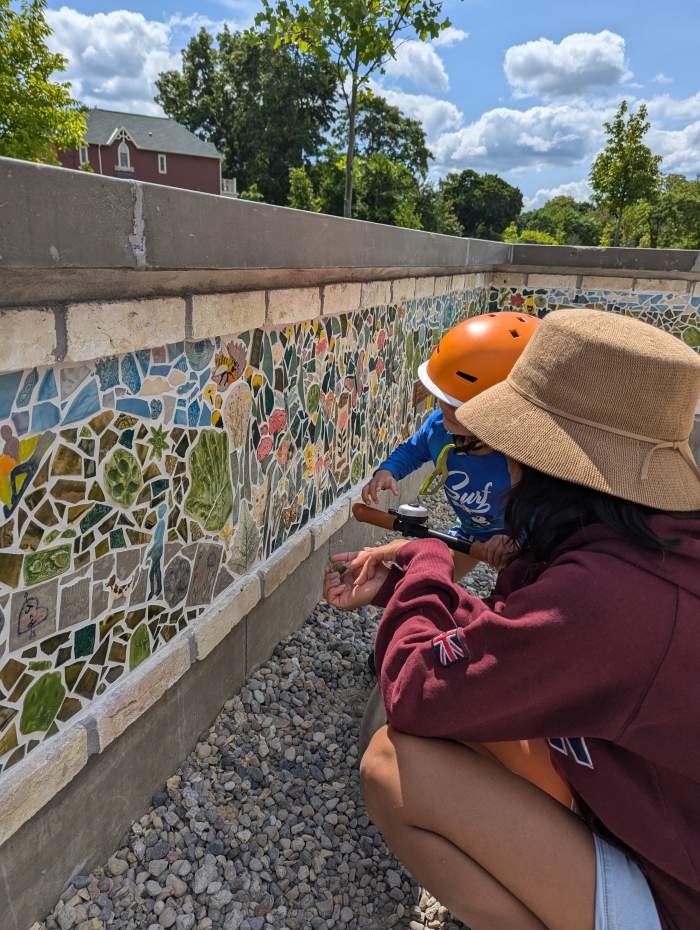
(475, 355)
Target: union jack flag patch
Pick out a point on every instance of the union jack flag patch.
(448, 648)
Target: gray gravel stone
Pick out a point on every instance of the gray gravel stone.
(263, 826)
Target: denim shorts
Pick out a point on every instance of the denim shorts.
(623, 900)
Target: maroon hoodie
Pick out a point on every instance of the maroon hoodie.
(598, 651)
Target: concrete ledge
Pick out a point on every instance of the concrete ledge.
(221, 314)
(606, 283)
(557, 281)
(403, 289)
(342, 298)
(140, 690)
(28, 338)
(443, 285)
(284, 560)
(376, 293)
(330, 522)
(96, 329)
(32, 783)
(221, 618)
(293, 305)
(425, 287)
(661, 286)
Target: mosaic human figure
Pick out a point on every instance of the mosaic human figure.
(155, 554)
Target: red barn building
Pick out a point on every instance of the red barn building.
(148, 148)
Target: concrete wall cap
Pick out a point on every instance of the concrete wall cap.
(284, 560)
(342, 298)
(218, 621)
(98, 329)
(229, 314)
(291, 305)
(330, 522)
(33, 782)
(403, 289)
(425, 287)
(129, 699)
(376, 293)
(28, 338)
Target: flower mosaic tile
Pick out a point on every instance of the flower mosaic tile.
(135, 490)
(678, 314)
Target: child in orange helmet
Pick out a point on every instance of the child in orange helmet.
(470, 357)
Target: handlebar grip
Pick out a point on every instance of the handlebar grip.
(364, 514)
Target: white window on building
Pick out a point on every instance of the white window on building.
(124, 162)
(84, 157)
(162, 164)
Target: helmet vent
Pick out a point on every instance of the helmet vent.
(470, 378)
(522, 320)
(515, 334)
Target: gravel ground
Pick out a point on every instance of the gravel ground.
(263, 824)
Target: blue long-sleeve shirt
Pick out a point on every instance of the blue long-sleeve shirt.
(476, 485)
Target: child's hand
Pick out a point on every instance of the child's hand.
(340, 584)
(382, 481)
(498, 551)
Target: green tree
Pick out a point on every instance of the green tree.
(674, 219)
(566, 220)
(301, 191)
(252, 193)
(536, 236)
(625, 172)
(484, 204)
(267, 108)
(389, 192)
(357, 38)
(437, 212)
(38, 117)
(383, 129)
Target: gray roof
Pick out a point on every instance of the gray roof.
(153, 133)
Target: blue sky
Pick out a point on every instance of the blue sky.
(519, 88)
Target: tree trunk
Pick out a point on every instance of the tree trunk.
(350, 155)
(618, 227)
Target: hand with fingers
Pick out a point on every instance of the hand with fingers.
(498, 551)
(383, 480)
(353, 579)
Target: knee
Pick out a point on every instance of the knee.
(377, 772)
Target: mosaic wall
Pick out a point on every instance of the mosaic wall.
(678, 314)
(134, 490)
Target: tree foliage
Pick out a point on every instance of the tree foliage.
(536, 236)
(383, 129)
(565, 220)
(625, 172)
(436, 212)
(301, 191)
(266, 107)
(357, 38)
(38, 116)
(484, 204)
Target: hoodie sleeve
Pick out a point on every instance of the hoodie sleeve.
(565, 655)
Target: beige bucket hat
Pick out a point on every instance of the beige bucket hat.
(601, 400)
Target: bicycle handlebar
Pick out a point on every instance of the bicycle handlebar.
(412, 529)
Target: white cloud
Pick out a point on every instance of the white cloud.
(579, 63)
(504, 139)
(450, 36)
(665, 107)
(579, 190)
(114, 58)
(420, 63)
(436, 115)
(662, 78)
(679, 147)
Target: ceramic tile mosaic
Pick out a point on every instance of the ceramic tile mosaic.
(134, 490)
(678, 314)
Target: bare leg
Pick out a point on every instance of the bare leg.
(500, 853)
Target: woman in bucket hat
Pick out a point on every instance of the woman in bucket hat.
(590, 641)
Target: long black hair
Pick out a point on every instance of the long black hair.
(542, 512)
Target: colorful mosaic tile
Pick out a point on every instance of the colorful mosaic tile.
(135, 490)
